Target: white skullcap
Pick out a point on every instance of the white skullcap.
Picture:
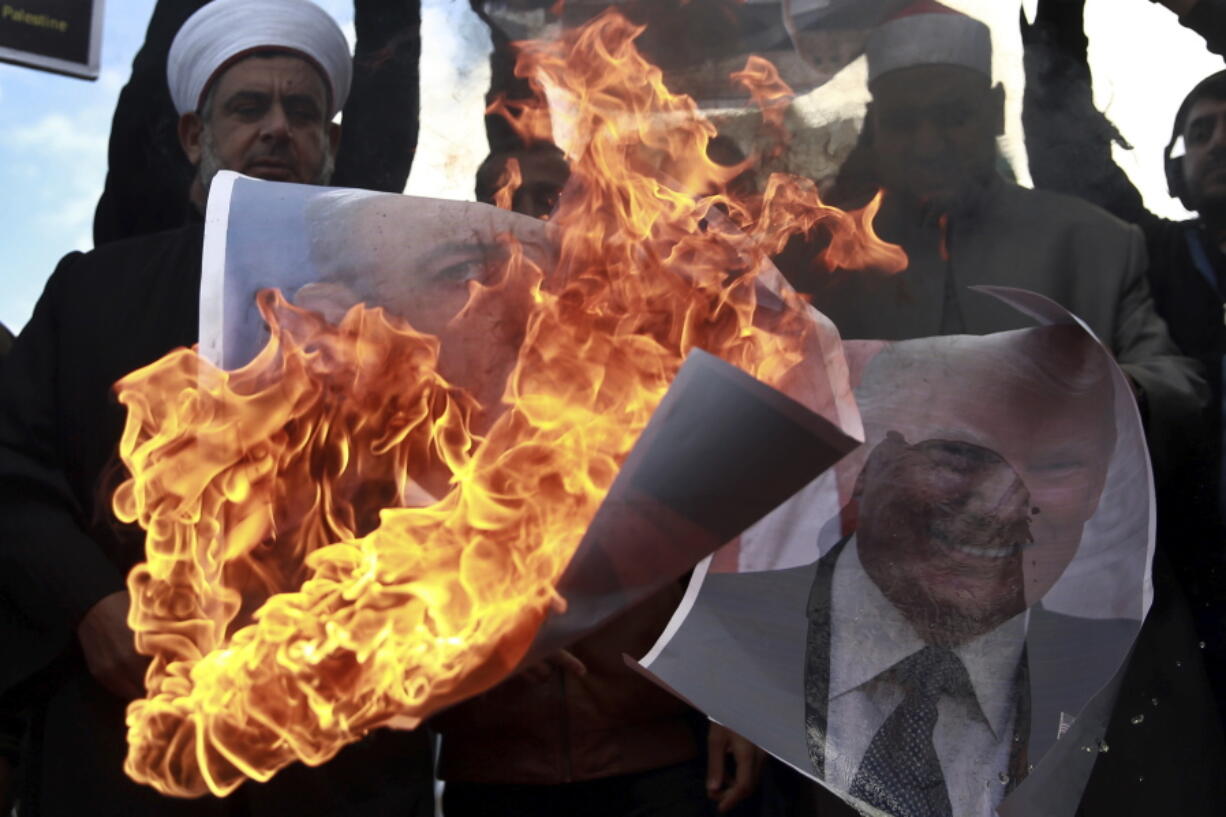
(224, 30)
(928, 33)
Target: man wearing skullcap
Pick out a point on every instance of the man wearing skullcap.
(929, 142)
(930, 136)
(257, 84)
(930, 139)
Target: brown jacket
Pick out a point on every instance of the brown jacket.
(571, 728)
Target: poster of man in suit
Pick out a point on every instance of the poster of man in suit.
(963, 614)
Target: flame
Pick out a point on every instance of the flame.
(509, 182)
(294, 595)
(772, 95)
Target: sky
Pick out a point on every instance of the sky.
(53, 129)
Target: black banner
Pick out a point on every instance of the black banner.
(54, 35)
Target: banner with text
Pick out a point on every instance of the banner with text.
(64, 36)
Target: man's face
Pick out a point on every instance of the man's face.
(934, 132)
(268, 118)
(1204, 162)
(439, 265)
(966, 528)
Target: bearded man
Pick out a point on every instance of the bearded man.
(257, 84)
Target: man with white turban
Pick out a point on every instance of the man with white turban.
(148, 174)
(257, 84)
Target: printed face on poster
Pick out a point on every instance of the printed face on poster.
(984, 577)
(720, 452)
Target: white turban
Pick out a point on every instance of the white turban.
(224, 30)
(929, 33)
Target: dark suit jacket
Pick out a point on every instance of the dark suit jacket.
(1065, 662)
(1167, 761)
(103, 315)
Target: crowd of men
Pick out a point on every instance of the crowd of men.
(255, 86)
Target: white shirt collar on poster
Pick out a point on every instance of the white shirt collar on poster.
(869, 636)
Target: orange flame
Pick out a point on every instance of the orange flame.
(295, 595)
(508, 184)
(770, 93)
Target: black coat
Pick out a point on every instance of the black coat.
(1070, 148)
(103, 315)
(1069, 144)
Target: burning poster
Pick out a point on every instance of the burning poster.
(950, 637)
(702, 48)
(359, 524)
(700, 43)
(409, 434)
